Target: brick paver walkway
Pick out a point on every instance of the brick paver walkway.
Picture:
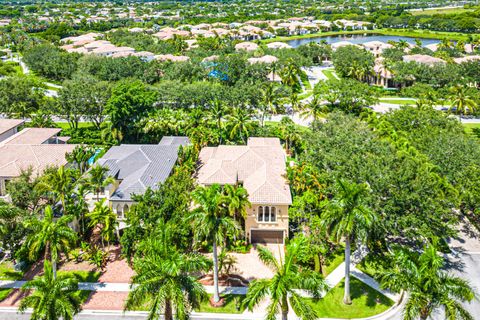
(117, 270)
(105, 300)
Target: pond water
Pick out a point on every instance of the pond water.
(360, 39)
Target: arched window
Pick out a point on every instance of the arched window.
(266, 216)
(260, 214)
(119, 210)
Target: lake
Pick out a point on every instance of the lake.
(360, 39)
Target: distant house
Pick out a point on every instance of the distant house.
(423, 59)
(33, 149)
(172, 58)
(136, 167)
(267, 59)
(466, 59)
(278, 45)
(247, 46)
(260, 167)
(8, 127)
(376, 47)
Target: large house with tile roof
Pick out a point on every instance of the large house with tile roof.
(260, 166)
(135, 168)
(33, 149)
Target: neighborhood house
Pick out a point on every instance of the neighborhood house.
(260, 168)
(135, 168)
(33, 149)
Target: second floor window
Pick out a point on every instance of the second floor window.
(267, 214)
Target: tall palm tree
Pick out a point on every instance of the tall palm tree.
(164, 275)
(273, 68)
(289, 132)
(217, 112)
(429, 287)
(462, 102)
(240, 124)
(236, 200)
(103, 216)
(270, 97)
(60, 183)
(212, 222)
(288, 277)
(52, 298)
(98, 179)
(50, 237)
(348, 217)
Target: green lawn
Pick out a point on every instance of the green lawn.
(232, 301)
(64, 125)
(83, 276)
(4, 293)
(366, 302)
(335, 260)
(369, 265)
(233, 305)
(433, 11)
(398, 101)
(470, 126)
(305, 82)
(8, 273)
(330, 74)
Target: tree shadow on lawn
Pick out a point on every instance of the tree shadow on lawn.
(359, 289)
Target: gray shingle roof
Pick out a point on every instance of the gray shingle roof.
(139, 167)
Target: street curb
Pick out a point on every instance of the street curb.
(144, 314)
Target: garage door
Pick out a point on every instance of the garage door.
(267, 236)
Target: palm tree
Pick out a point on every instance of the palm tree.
(314, 108)
(290, 75)
(462, 102)
(288, 277)
(273, 68)
(429, 287)
(240, 124)
(164, 276)
(269, 96)
(289, 132)
(217, 113)
(52, 298)
(348, 217)
(444, 44)
(61, 183)
(98, 179)
(103, 216)
(80, 156)
(49, 236)
(112, 134)
(236, 200)
(212, 222)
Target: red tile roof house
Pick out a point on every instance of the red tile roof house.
(31, 148)
(260, 166)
